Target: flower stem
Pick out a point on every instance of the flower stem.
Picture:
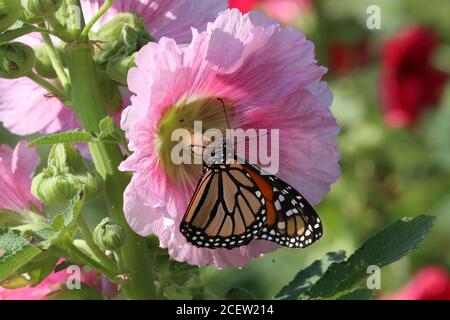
(59, 29)
(78, 254)
(89, 105)
(56, 61)
(85, 33)
(46, 85)
(87, 236)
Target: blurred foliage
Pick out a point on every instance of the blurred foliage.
(386, 173)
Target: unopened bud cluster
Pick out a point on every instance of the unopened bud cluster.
(65, 176)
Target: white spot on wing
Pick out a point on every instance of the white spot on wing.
(277, 205)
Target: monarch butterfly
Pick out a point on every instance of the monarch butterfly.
(236, 202)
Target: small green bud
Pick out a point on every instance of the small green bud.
(10, 11)
(125, 33)
(16, 60)
(41, 8)
(43, 65)
(66, 174)
(118, 67)
(109, 235)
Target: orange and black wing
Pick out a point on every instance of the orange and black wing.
(291, 221)
(227, 209)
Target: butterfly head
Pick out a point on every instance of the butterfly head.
(211, 148)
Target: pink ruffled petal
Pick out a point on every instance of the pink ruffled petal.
(16, 172)
(271, 78)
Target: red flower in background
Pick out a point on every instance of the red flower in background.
(345, 57)
(409, 83)
(285, 11)
(243, 5)
(430, 283)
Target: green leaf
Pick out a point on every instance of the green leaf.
(10, 218)
(180, 273)
(84, 293)
(177, 293)
(64, 225)
(239, 294)
(72, 136)
(20, 29)
(64, 265)
(32, 222)
(107, 128)
(41, 266)
(15, 251)
(196, 286)
(174, 275)
(33, 272)
(62, 228)
(358, 294)
(110, 133)
(15, 281)
(309, 276)
(387, 246)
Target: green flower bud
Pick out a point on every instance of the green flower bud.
(109, 235)
(41, 8)
(43, 65)
(66, 174)
(118, 67)
(16, 60)
(10, 11)
(125, 33)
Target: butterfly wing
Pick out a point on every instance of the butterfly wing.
(291, 221)
(227, 209)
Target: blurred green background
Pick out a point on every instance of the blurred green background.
(386, 173)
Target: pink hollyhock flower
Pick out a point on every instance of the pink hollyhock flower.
(270, 79)
(55, 282)
(409, 83)
(16, 172)
(285, 11)
(26, 108)
(430, 283)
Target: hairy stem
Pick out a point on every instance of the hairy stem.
(50, 87)
(56, 61)
(89, 105)
(85, 33)
(78, 254)
(59, 29)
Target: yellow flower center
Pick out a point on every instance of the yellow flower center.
(182, 115)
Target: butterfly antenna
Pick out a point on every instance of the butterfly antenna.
(224, 111)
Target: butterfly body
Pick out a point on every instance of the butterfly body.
(236, 202)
